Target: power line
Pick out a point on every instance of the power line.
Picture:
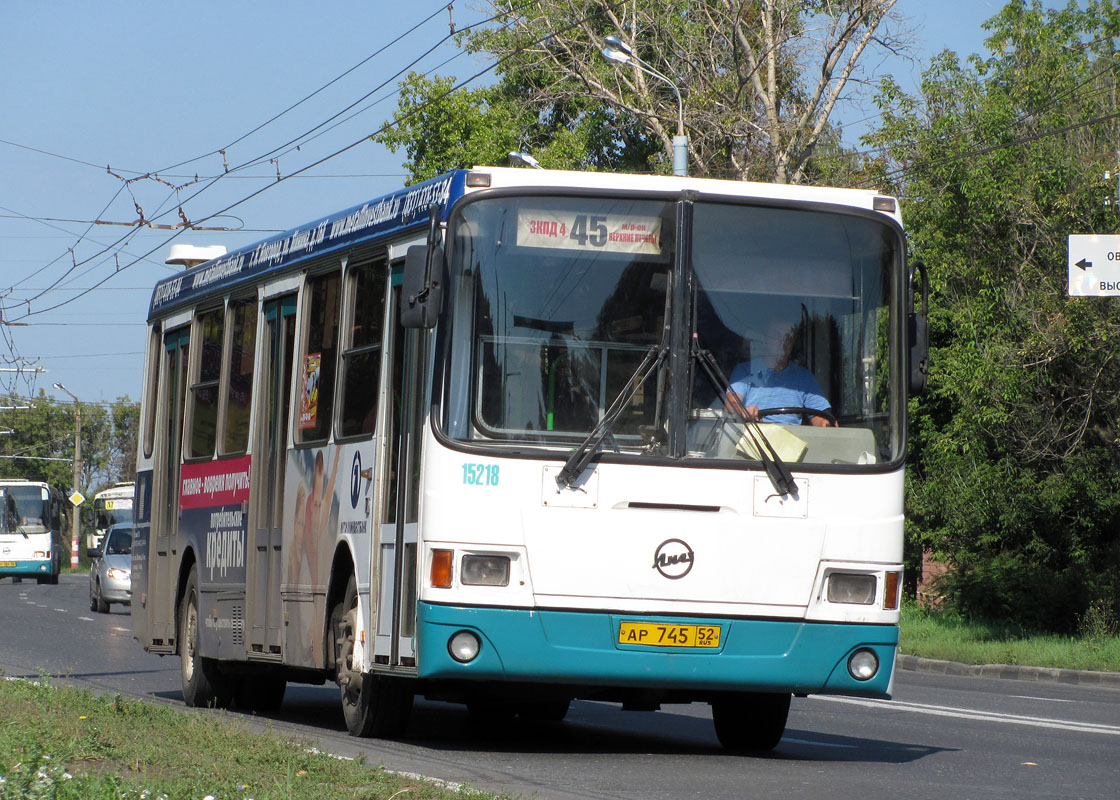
(126, 183)
(365, 138)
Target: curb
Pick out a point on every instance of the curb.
(1076, 677)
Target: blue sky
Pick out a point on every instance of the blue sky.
(95, 95)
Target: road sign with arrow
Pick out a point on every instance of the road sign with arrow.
(1094, 265)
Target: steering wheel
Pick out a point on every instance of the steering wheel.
(802, 410)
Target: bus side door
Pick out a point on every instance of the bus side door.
(266, 568)
(165, 508)
(407, 351)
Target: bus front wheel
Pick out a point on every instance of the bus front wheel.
(203, 684)
(372, 705)
(750, 722)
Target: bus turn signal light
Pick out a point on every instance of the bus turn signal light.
(890, 594)
(441, 568)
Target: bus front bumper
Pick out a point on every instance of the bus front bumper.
(582, 649)
(25, 568)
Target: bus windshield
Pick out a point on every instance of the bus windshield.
(556, 302)
(111, 512)
(23, 509)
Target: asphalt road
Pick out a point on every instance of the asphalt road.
(941, 737)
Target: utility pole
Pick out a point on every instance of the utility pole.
(75, 498)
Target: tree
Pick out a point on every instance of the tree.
(760, 80)
(40, 446)
(1015, 449)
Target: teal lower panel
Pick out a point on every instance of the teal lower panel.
(581, 649)
(29, 567)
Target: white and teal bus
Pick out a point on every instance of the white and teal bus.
(33, 542)
(490, 439)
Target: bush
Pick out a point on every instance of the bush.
(1008, 588)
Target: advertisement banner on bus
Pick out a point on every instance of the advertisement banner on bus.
(212, 497)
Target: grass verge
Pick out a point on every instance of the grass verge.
(950, 637)
(69, 744)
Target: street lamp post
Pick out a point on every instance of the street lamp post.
(619, 52)
(75, 521)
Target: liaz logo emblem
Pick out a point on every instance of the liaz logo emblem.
(673, 558)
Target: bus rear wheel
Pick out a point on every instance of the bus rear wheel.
(750, 722)
(372, 705)
(203, 684)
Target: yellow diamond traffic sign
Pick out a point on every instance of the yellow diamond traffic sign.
(77, 498)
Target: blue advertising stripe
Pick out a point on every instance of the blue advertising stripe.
(386, 216)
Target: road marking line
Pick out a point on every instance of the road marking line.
(968, 713)
(788, 740)
(1044, 699)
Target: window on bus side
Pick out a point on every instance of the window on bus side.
(154, 341)
(204, 392)
(361, 358)
(316, 367)
(239, 392)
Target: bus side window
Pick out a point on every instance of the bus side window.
(152, 386)
(316, 367)
(361, 358)
(204, 392)
(239, 394)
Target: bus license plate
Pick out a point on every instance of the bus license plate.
(659, 634)
(7, 563)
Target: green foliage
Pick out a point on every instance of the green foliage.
(65, 744)
(40, 446)
(948, 636)
(1014, 449)
(756, 83)
(441, 129)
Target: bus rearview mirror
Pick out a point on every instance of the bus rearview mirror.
(422, 290)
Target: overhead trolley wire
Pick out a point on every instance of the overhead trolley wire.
(125, 237)
(388, 125)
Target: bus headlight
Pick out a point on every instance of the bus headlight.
(464, 646)
(863, 665)
(42, 554)
(847, 587)
(485, 570)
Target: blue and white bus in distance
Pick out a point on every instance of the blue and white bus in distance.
(514, 437)
(32, 523)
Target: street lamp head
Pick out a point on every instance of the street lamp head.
(525, 159)
(614, 43)
(616, 50)
(62, 388)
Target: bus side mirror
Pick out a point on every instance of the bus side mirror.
(422, 290)
(917, 328)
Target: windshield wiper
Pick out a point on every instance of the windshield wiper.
(579, 459)
(776, 470)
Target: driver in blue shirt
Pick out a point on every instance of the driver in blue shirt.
(770, 379)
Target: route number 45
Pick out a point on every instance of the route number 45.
(589, 230)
